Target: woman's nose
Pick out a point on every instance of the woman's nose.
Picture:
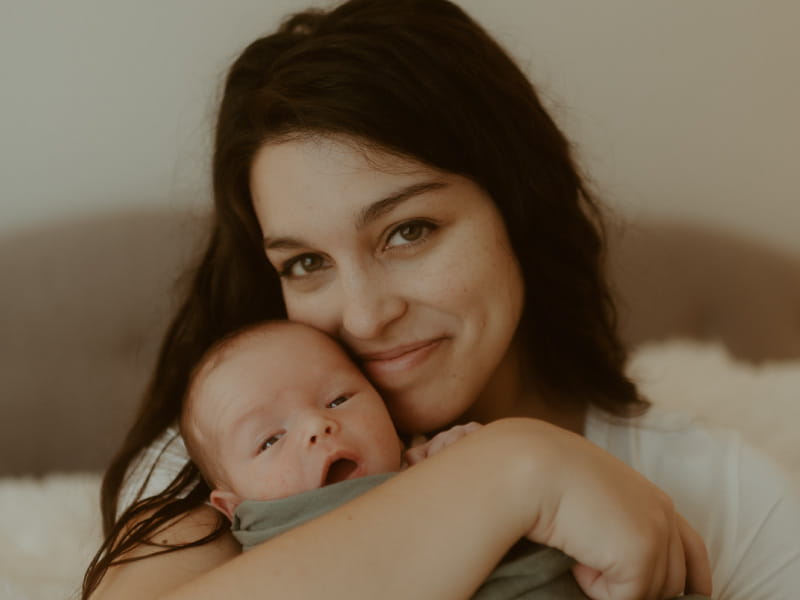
(369, 304)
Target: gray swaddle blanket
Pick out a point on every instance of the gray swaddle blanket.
(531, 571)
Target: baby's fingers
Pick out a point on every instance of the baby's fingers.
(415, 455)
(450, 436)
(440, 441)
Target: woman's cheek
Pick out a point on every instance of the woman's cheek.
(310, 309)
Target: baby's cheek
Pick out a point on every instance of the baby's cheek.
(278, 484)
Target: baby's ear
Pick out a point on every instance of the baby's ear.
(225, 502)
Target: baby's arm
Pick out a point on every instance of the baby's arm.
(419, 452)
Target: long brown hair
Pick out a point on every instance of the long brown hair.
(421, 79)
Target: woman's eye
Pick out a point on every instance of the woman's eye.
(270, 442)
(338, 401)
(410, 232)
(303, 265)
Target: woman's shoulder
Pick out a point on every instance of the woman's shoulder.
(740, 501)
(154, 468)
(662, 438)
(687, 456)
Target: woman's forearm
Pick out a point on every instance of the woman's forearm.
(434, 531)
(437, 529)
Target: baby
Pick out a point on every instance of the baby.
(279, 409)
(284, 427)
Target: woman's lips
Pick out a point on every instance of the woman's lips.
(402, 358)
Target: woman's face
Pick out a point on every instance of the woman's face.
(409, 267)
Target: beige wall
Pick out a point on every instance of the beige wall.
(685, 109)
(681, 109)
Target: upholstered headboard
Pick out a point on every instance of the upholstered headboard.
(681, 280)
(85, 304)
(83, 308)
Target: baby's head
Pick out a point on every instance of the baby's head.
(278, 409)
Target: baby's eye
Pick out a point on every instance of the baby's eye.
(302, 265)
(270, 442)
(338, 401)
(410, 232)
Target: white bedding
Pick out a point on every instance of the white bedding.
(49, 527)
(49, 530)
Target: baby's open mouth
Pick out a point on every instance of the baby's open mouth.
(340, 470)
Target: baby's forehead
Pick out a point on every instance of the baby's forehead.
(283, 348)
(284, 336)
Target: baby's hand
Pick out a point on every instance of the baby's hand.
(441, 440)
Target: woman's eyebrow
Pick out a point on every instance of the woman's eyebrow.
(385, 205)
(367, 215)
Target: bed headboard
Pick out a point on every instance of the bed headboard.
(85, 303)
(681, 280)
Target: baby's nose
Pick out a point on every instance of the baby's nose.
(315, 436)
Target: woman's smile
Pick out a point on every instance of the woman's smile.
(382, 366)
(410, 267)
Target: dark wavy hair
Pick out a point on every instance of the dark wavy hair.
(420, 79)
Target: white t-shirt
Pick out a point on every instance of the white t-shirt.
(744, 507)
(737, 499)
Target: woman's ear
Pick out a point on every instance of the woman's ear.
(225, 502)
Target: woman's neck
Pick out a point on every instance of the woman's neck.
(511, 394)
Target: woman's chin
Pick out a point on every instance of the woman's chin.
(414, 417)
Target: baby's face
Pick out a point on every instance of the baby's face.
(286, 411)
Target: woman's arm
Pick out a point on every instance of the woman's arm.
(437, 530)
(153, 577)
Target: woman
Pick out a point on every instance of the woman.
(385, 173)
